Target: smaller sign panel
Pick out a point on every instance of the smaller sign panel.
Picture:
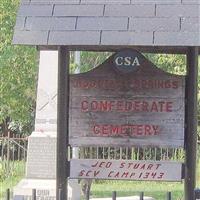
(126, 170)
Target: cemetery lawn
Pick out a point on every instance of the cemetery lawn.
(8, 179)
(8, 183)
(156, 190)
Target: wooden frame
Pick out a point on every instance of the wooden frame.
(191, 113)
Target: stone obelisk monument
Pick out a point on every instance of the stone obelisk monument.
(41, 155)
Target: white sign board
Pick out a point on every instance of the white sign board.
(126, 170)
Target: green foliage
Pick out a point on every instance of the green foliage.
(157, 190)
(89, 60)
(18, 73)
(10, 169)
(10, 176)
(175, 64)
(170, 63)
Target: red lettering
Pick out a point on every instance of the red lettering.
(150, 166)
(125, 84)
(112, 105)
(104, 106)
(108, 164)
(110, 174)
(129, 165)
(88, 173)
(104, 164)
(95, 165)
(156, 130)
(137, 106)
(84, 106)
(175, 84)
(105, 130)
(119, 106)
(117, 175)
(139, 130)
(96, 129)
(158, 165)
(161, 175)
(161, 84)
(122, 165)
(81, 173)
(169, 106)
(101, 163)
(132, 174)
(114, 130)
(86, 84)
(168, 84)
(94, 106)
(153, 174)
(146, 175)
(96, 173)
(125, 174)
(145, 106)
(125, 130)
(136, 166)
(154, 107)
(147, 130)
(140, 175)
(161, 104)
(143, 166)
(126, 106)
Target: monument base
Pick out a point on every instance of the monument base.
(45, 189)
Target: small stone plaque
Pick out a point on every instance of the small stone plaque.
(41, 160)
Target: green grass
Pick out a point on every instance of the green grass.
(157, 190)
(198, 174)
(10, 174)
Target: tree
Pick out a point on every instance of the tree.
(18, 74)
(175, 64)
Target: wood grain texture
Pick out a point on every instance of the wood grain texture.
(126, 170)
(141, 108)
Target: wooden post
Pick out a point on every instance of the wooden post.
(60, 195)
(62, 122)
(8, 147)
(33, 194)
(141, 195)
(169, 196)
(8, 194)
(114, 195)
(191, 122)
(8, 154)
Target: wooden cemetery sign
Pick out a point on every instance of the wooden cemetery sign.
(127, 101)
(126, 170)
